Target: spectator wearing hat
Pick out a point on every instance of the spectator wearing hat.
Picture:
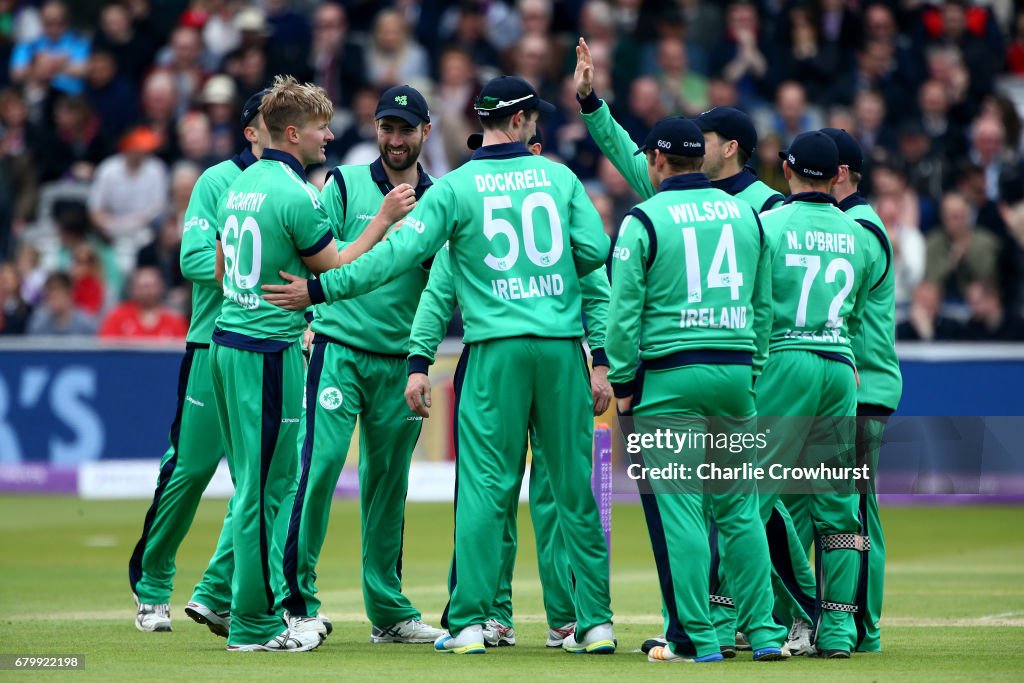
(129, 191)
(219, 99)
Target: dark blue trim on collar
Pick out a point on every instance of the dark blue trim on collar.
(247, 157)
(685, 181)
(503, 150)
(735, 184)
(853, 200)
(811, 197)
(379, 175)
(271, 154)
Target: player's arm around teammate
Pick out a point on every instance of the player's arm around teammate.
(357, 371)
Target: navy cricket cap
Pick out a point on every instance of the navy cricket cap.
(252, 107)
(505, 95)
(813, 155)
(404, 102)
(850, 153)
(731, 124)
(675, 135)
(476, 140)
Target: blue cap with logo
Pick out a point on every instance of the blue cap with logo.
(505, 95)
(252, 107)
(675, 135)
(404, 102)
(731, 124)
(850, 153)
(813, 155)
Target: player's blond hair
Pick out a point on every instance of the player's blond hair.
(290, 103)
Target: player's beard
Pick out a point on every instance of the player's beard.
(411, 157)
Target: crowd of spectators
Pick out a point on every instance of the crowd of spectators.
(110, 110)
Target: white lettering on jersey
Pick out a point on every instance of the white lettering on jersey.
(245, 201)
(690, 212)
(730, 317)
(512, 180)
(514, 288)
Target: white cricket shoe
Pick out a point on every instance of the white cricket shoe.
(152, 618)
(218, 622)
(599, 640)
(408, 631)
(469, 642)
(496, 634)
(287, 640)
(741, 641)
(799, 641)
(318, 624)
(557, 636)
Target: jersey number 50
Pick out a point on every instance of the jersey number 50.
(494, 226)
(232, 240)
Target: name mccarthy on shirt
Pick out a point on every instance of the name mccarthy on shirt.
(245, 201)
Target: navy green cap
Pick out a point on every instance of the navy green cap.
(731, 124)
(850, 153)
(505, 95)
(252, 107)
(675, 135)
(404, 102)
(476, 140)
(812, 155)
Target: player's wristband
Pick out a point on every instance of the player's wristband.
(624, 389)
(598, 358)
(590, 103)
(315, 289)
(419, 364)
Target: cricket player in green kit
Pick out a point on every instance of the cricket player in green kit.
(270, 220)
(729, 141)
(878, 395)
(823, 266)
(520, 230)
(691, 276)
(433, 314)
(196, 446)
(358, 368)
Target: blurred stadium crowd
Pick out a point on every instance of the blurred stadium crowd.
(110, 110)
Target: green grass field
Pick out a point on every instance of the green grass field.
(954, 611)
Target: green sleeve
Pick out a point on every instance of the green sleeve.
(330, 196)
(308, 222)
(629, 290)
(596, 293)
(421, 234)
(437, 303)
(615, 143)
(762, 305)
(863, 290)
(586, 232)
(199, 239)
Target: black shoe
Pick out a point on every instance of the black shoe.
(834, 654)
(651, 643)
(729, 652)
